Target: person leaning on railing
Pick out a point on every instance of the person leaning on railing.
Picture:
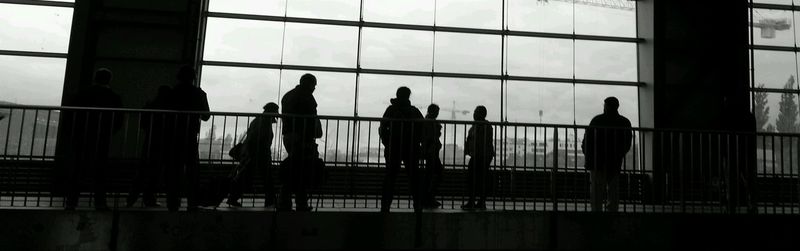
(401, 134)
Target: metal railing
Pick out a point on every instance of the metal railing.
(537, 167)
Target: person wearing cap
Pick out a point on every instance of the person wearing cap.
(256, 154)
(604, 145)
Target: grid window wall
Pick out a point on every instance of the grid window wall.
(774, 72)
(525, 60)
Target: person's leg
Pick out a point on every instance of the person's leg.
(99, 165)
(173, 172)
(286, 172)
(392, 167)
(192, 175)
(471, 184)
(238, 183)
(612, 179)
(265, 168)
(483, 180)
(414, 185)
(597, 190)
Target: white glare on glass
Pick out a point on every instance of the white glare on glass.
(256, 7)
(234, 89)
(606, 20)
(605, 60)
(396, 49)
(335, 92)
(34, 28)
(467, 53)
(320, 45)
(469, 13)
(246, 41)
(399, 11)
(376, 91)
(539, 102)
(539, 57)
(328, 9)
(541, 16)
(32, 80)
(590, 99)
(458, 97)
(773, 69)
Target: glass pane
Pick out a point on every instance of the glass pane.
(458, 97)
(540, 102)
(541, 16)
(618, 18)
(328, 9)
(399, 11)
(320, 45)
(469, 13)
(540, 57)
(589, 102)
(34, 28)
(234, 89)
(772, 27)
(240, 40)
(335, 93)
(480, 55)
(773, 69)
(396, 49)
(375, 92)
(605, 60)
(32, 80)
(256, 7)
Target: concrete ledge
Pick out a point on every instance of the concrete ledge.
(262, 230)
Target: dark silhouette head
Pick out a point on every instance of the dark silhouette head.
(271, 108)
(403, 93)
(186, 75)
(433, 111)
(611, 105)
(103, 77)
(480, 113)
(308, 82)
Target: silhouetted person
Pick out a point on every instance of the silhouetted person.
(604, 146)
(154, 126)
(300, 129)
(431, 145)
(480, 147)
(182, 146)
(256, 154)
(401, 134)
(740, 158)
(91, 138)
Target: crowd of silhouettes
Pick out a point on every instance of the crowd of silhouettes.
(409, 139)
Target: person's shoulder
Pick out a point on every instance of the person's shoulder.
(624, 120)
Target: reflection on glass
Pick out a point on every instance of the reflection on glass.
(540, 57)
(589, 102)
(605, 60)
(328, 9)
(774, 68)
(320, 45)
(233, 89)
(256, 7)
(772, 27)
(591, 19)
(539, 102)
(32, 80)
(34, 28)
(335, 92)
(375, 91)
(467, 53)
(469, 13)
(396, 49)
(540, 16)
(399, 11)
(238, 40)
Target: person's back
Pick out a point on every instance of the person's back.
(479, 142)
(185, 97)
(299, 102)
(403, 132)
(607, 141)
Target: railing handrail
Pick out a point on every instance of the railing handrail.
(377, 119)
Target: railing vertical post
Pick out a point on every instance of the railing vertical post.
(553, 173)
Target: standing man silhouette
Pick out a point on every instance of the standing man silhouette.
(480, 147)
(604, 145)
(402, 139)
(301, 128)
(431, 145)
(183, 129)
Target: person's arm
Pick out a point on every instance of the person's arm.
(383, 129)
(627, 137)
(204, 106)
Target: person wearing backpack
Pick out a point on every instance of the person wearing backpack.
(401, 133)
(256, 154)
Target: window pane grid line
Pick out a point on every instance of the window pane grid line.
(40, 3)
(33, 54)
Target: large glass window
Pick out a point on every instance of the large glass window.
(526, 61)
